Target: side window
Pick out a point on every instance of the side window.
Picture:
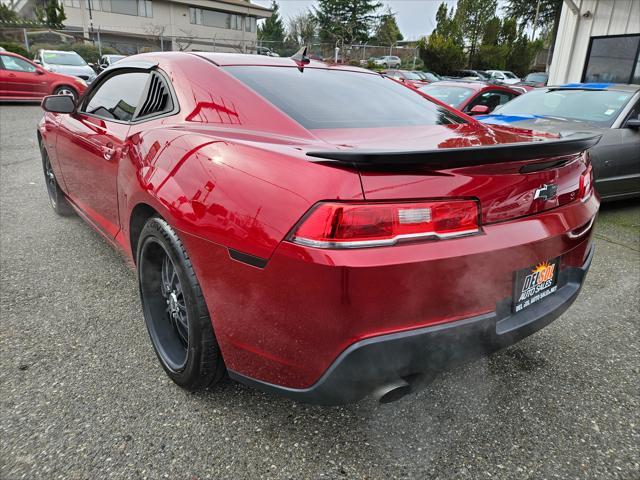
(491, 99)
(17, 64)
(634, 113)
(117, 97)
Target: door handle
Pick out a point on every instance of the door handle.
(108, 151)
(12, 75)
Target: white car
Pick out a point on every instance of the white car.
(388, 61)
(504, 76)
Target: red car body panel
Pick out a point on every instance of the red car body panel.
(229, 173)
(33, 86)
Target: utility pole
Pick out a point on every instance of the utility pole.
(535, 21)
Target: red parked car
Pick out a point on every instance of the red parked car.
(23, 80)
(471, 97)
(309, 241)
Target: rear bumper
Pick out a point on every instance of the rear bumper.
(368, 364)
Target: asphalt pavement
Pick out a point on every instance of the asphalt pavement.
(83, 396)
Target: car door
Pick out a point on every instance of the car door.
(21, 78)
(627, 153)
(92, 143)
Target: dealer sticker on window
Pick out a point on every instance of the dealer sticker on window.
(535, 283)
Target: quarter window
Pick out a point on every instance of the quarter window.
(17, 64)
(118, 97)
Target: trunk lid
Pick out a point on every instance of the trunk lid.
(506, 190)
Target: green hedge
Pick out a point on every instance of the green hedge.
(15, 48)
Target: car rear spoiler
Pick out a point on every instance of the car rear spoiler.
(463, 157)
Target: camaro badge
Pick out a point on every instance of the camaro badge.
(546, 192)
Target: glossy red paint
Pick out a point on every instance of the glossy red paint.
(229, 171)
(34, 83)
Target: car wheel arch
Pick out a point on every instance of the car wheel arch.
(140, 214)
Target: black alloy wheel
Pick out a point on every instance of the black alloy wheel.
(57, 199)
(175, 311)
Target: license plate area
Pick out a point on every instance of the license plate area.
(534, 283)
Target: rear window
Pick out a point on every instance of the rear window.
(321, 98)
(453, 96)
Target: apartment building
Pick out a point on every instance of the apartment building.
(133, 26)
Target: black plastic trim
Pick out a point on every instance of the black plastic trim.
(248, 259)
(466, 156)
(366, 365)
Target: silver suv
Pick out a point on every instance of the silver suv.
(69, 63)
(388, 61)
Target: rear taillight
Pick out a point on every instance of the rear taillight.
(358, 225)
(586, 183)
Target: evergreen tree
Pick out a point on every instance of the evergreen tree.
(472, 17)
(525, 12)
(345, 21)
(446, 24)
(441, 55)
(52, 14)
(272, 29)
(387, 31)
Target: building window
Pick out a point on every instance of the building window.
(236, 22)
(72, 3)
(613, 59)
(250, 24)
(213, 18)
(140, 8)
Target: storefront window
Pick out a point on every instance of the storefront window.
(613, 60)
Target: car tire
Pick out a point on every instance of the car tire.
(384, 65)
(57, 199)
(175, 311)
(66, 90)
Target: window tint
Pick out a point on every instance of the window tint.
(322, 98)
(16, 64)
(118, 97)
(600, 107)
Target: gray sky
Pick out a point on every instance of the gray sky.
(415, 17)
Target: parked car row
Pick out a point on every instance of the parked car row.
(54, 72)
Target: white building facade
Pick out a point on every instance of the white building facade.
(598, 41)
(133, 26)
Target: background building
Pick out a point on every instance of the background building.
(598, 41)
(133, 26)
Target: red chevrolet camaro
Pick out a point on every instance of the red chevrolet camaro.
(318, 231)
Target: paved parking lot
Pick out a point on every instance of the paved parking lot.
(83, 396)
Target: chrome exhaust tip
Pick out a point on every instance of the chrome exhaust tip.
(392, 391)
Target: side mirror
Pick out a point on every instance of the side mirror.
(479, 110)
(633, 123)
(39, 71)
(58, 104)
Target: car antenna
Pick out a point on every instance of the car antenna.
(300, 57)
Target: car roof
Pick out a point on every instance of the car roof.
(228, 59)
(471, 84)
(625, 87)
(57, 51)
